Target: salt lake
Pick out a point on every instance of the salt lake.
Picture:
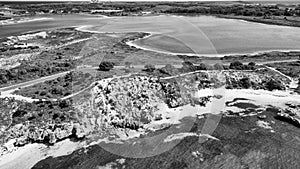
(205, 35)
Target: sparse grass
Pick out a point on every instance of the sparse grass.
(291, 69)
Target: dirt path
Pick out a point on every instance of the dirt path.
(6, 91)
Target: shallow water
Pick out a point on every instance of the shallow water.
(200, 35)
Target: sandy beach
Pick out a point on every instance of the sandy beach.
(25, 157)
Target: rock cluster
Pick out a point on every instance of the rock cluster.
(49, 133)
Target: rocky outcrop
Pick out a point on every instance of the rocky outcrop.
(50, 133)
(128, 102)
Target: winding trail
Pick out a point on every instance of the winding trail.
(7, 91)
(293, 83)
(32, 82)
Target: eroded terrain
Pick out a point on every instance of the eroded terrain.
(143, 109)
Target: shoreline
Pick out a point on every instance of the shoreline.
(244, 19)
(85, 28)
(261, 21)
(132, 44)
(13, 21)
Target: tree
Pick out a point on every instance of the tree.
(106, 66)
(251, 65)
(149, 68)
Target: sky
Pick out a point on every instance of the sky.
(281, 1)
(148, 0)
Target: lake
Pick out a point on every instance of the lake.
(205, 35)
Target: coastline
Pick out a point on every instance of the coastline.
(131, 43)
(22, 20)
(288, 23)
(86, 28)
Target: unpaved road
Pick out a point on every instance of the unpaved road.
(51, 77)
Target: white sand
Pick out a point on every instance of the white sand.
(259, 97)
(27, 156)
(187, 134)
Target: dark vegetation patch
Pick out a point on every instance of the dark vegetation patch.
(28, 71)
(245, 105)
(36, 115)
(71, 83)
(247, 9)
(51, 60)
(58, 88)
(291, 69)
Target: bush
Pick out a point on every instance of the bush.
(188, 67)
(106, 66)
(149, 68)
(245, 83)
(201, 66)
(218, 66)
(169, 70)
(251, 64)
(236, 65)
(274, 85)
(297, 90)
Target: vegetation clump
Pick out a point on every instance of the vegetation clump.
(106, 66)
(169, 70)
(274, 85)
(149, 68)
